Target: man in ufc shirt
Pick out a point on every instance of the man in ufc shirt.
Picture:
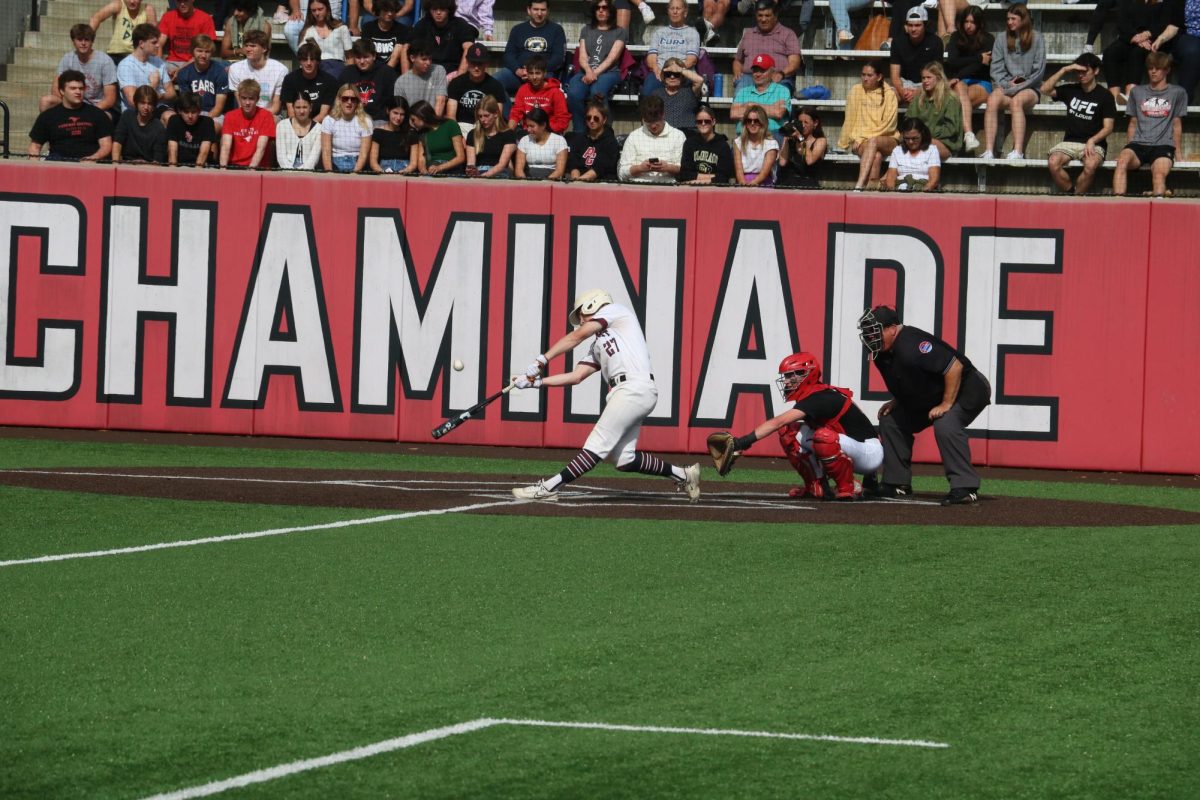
(1091, 115)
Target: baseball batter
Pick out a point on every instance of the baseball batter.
(620, 353)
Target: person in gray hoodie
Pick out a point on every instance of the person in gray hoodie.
(1018, 64)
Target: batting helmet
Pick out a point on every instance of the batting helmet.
(871, 325)
(797, 373)
(588, 303)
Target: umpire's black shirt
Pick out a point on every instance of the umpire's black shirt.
(820, 407)
(915, 367)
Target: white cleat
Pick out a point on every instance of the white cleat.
(691, 482)
(536, 492)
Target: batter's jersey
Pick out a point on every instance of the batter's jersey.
(914, 368)
(620, 347)
(820, 407)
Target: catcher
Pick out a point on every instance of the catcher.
(825, 423)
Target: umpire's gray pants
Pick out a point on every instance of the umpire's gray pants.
(898, 428)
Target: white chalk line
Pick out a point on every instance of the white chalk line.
(253, 534)
(433, 734)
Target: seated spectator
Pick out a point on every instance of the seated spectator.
(1018, 62)
(178, 27)
(191, 136)
(714, 17)
(392, 142)
(346, 133)
(448, 35)
(840, 11)
(266, 72)
(143, 68)
(298, 137)
(804, 146)
(492, 144)
(98, 71)
(1143, 27)
(869, 129)
(911, 52)
(479, 15)
(598, 59)
(773, 97)
(677, 40)
(327, 32)
(206, 79)
(772, 39)
(246, 16)
(127, 15)
(936, 106)
(754, 151)
(374, 80)
(441, 150)
(947, 19)
(389, 37)
(680, 93)
(540, 92)
(247, 133)
(537, 37)
(706, 156)
(968, 65)
(915, 165)
(139, 137)
(624, 12)
(74, 130)
(467, 91)
(541, 153)
(1186, 54)
(653, 152)
(310, 82)
(424, 80)
(1091, 117)
(594, 152)
(1155, 133)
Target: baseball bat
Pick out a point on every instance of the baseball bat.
(455, 421)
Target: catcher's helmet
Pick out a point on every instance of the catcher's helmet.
(871, 325)
(797, 373)
(589, 303)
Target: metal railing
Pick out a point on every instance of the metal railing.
(4, 141)
(35, 14)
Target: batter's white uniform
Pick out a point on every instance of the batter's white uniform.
(619, 351)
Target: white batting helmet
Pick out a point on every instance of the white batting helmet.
(588, 303)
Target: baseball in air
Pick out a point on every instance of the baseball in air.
(458, 365)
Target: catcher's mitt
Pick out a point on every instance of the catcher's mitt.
(721, 448)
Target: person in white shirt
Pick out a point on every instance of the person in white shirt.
(653, 152)
(268, 72)
(298, 139)
(914, 166)
(619, 352)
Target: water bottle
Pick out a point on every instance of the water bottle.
(718, 85)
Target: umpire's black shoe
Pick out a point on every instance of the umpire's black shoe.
(960, 497)
(889, 490)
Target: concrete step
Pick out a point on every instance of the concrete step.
(14, 73)
(15, 92)
(42, 59)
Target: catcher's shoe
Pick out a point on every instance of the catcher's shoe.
(853, 492)
(536, 492)
(892, 491)
(959, 497)
(691, 482)
(817, 489)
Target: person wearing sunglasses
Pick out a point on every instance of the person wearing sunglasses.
(680, 94)
(755, 151)
(595, 151)
(706, 156)
(601, 44)
(346, 134)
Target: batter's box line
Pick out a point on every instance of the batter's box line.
(433, 734)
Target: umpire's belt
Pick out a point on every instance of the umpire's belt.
(612, 384)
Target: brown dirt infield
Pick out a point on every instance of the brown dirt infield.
(636, 498)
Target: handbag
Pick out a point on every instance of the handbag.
(877, 30)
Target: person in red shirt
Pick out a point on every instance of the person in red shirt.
(538, 91)
(178, 26)
(248, 132)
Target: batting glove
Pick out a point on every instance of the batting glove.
(524, 382)
(537, 366)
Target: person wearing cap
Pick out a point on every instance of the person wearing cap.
(652, 153)
(912, 52)
(773, 97)
(932, 384)
(467, 91)
(770, 38)
(1091, 116)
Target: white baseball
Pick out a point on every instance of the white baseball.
(458, 365)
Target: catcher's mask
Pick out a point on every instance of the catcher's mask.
(871, 325)
(796, 373)
(588, 303)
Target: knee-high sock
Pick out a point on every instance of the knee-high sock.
(583, 461)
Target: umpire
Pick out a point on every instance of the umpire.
(931, 384)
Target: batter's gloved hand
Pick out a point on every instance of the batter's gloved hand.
(525, 382)
(723, 449)
(535, 369)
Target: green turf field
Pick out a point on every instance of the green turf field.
(1054, 662)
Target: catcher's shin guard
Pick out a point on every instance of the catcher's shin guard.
(814, 484)
(837, 464)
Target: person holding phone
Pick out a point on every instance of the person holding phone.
(1018, 63)
(653, 152)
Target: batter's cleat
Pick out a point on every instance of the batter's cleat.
(691, 482)
(536, 492)
(961, 497)
(892, 491)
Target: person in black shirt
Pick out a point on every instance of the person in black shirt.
(449, 35)
(75, 130)
(492, 144)
(1091, 115)
(931, 384)
(139, 136)
(465, 92)
(594, 151)
(911, 52)
(374, 80)
(823, 434)
(706, 156)
(191, 136)
(389, 38)
(310, 81)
